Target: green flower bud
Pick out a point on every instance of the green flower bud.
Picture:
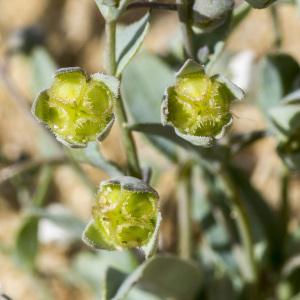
(125, 214)
(198, 106)
(77, 109)
(208, 15)
(260, 3)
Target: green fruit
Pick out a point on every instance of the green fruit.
(125, 213)
(198, 106)
(75, 108)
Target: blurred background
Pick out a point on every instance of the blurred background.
(70, 33)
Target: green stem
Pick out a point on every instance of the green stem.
(44, 181)
(284, 205)
(127, 137)
(184, 213)
(184, 11)
(276, 27)
(242, 223)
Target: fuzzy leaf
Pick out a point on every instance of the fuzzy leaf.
(129, 40)
(278, 75)
(26, 248)
(93, 156)
(151, 89)
(165, 276)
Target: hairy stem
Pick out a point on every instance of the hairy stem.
(243, 224)
(127, 137)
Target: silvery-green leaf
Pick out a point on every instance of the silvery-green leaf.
(278, 75)
(165, 276)
(93, 237)
(129, 40)
(26, 248)
(63, 219)
(293, 98)
(93, 156)
(43, 68)
(111, 282)
(286, 118)
(151, 88)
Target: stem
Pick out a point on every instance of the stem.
(153, 5)
(184, 214)
(11, 171)
(184, 11)
(276, 27)
(127, 137)
(242, 223)
(284, 209)
(43, 184)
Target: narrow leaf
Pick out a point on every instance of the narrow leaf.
(129, 40)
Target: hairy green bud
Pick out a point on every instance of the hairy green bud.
(208, 15)
(125, 214)
(76, 108)
(198, 106)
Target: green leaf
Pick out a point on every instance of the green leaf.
(129, 40)
(259, 210)
(165, 276)
(278, 75)
(43, 68)
(112, 281)
(94, 238)
(92, 155)
(26, 247)
(152, 76)
(215, 153)
(65, 220)
(92, 266)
